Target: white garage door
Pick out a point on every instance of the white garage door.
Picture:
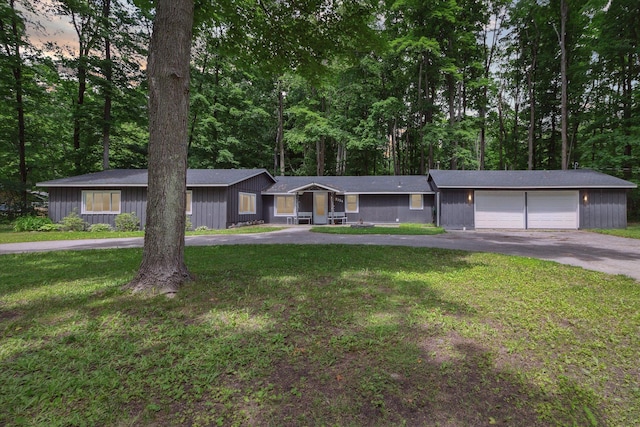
(499, 209)
(552, 209)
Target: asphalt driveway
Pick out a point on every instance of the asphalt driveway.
(608, 254)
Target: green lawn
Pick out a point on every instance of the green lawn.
(317, 335)
(402, 229)
(7, 235)
(632, 231)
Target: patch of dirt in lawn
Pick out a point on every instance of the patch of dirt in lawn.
(360, 389)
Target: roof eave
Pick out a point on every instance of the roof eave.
(535, 187)
(257, 172)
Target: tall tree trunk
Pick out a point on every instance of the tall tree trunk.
(203, 71)
(420, 115)
(12, 48)
(106, 116)
(163, 269)
(501, 133)
(532, 109)
(564, 10)
(320, 148)
(452, 121)
(280, 132)
(82, 88)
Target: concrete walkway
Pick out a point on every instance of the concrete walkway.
(608, 254)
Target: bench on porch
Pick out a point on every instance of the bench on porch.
(334, 217)
(304, 217)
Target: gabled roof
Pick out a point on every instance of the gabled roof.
(395, 184)
(138, 178)
(580, 178)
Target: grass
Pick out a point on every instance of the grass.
(7, 235)
(402, 229)
(317, 335)
(632, 231)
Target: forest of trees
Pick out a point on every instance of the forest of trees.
(364, 87)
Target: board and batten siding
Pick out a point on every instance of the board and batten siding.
(456, 211)
(392, 208)
(253, 185)
(64, 200)
(603, 208)
(208, 207)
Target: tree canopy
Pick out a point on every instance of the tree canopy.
(353, 87)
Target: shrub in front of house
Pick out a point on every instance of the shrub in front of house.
(31, 223)
(100, 228)
(202, 228)
(127, 222)
(73, 222)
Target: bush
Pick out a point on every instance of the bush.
(187, 224)
(73, 222)
(31, 223)
(98, 228)
(202, 228)
(127, 222)
(50, 227)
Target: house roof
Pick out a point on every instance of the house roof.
(404, 184)
(543, 179)
(138, 178)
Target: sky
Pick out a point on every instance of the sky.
(43, 29)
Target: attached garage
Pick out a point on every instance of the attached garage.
(567, 199)
(553, 209)
(500, 209)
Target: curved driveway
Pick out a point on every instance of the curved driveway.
(608, 254)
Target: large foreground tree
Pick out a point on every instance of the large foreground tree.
(163, 269)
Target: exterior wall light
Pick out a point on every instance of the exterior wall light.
(585, 198)
(469, 197)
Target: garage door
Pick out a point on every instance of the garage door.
(552, 209)
(499, 209)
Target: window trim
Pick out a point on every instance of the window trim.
(83, 203)
(411, 207)
(346, 204)
(252, 197)
(275, 205)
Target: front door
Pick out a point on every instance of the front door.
(320, 204)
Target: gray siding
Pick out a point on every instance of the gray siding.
(253, 185)
(603, 208)
(455, 210)
(208, 207)
(392, 208)
(63, 201)
(375, 208)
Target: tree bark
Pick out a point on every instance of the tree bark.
(564, 11)
(19, 90)
(163, 269)
(532, 109)
(280, 133)
(108, 76)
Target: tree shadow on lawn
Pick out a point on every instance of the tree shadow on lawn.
(338, 336)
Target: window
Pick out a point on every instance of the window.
(94, 202)
(285, 205)
(189, 202)
(415, 202)
(351, 203)
(247, 203)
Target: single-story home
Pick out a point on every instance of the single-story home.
(343, 199)
(219, 198)
(216, 198)
(553, 199)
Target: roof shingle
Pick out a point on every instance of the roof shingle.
(138, 178)
(537, 179)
